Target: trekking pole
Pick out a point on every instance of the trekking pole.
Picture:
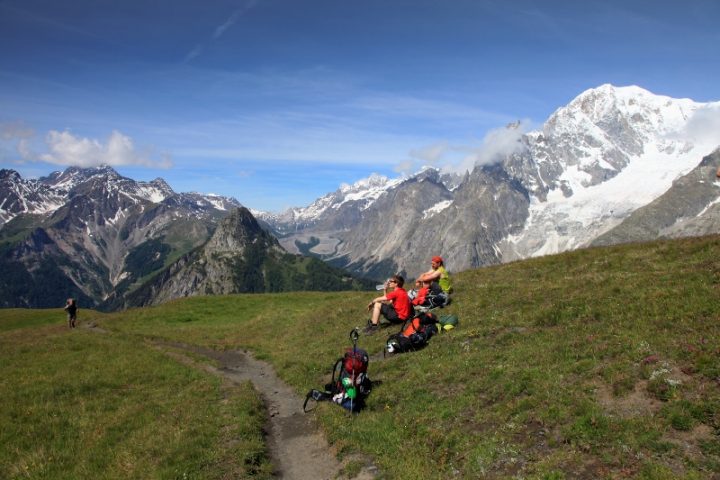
(354, 336)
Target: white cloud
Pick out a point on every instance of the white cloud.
(430, 154)
(704, 125)
(405, 167)
(440, 154)
(497, 144)
(67, 149)
(221, 29)
(233, 18)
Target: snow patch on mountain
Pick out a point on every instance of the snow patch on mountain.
(367, 190)
(437, 208)
(151, 193)
(364, 192)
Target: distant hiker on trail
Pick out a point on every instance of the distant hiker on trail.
(437, 273)
(71, 309)
(394, 305)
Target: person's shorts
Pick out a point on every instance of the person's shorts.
(390, 314)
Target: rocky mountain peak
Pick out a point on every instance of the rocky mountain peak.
(9, 175)
(606, 108)
(429, 174)
(373, 181)
(162, 185)
(73, 176)
(236, 231)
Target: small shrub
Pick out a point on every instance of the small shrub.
(661, 389)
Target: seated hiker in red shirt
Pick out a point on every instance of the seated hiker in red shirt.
(422, 293)
(394, 305)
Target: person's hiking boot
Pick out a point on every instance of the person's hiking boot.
(371, 328)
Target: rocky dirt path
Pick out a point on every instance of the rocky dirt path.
(297, 447)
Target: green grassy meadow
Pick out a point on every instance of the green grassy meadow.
(599, 363)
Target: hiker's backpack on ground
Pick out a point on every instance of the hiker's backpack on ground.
(437, 297)
(414, 335)
(349, 384)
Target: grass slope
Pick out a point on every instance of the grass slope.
(600, 363)
(81, 405)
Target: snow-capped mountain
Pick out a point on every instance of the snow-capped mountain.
(329, 208)
(616, 164)
(47, 194)
(613, 151)
(92, 233)
(342, 208)
(690, 207)
(26, 196)
(595, 161)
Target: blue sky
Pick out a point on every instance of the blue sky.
(277, 102)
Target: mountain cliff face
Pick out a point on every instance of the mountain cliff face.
(614, 165)
(596, 161)
(112, 242)
(240, 257)
(92, 234)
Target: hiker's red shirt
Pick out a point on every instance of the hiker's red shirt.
(400, 302)
(420, 297)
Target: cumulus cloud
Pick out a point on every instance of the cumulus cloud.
(68, 149)
(497, 144)
(704, 125)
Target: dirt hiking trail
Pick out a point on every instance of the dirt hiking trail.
(298, 449)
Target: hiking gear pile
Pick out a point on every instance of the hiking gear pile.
(414, 334)
(349, 384)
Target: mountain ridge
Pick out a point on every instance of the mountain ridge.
(589, 174)
(608, 152)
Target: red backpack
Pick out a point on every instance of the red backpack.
(349, 384)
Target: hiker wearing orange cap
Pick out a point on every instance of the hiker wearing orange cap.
(437, 273)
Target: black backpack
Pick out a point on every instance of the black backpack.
(414, 334)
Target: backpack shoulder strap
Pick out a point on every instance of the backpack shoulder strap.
(337, 370)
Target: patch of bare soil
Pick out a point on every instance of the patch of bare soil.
(93, 326)
(634, 404)
(298, 448)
